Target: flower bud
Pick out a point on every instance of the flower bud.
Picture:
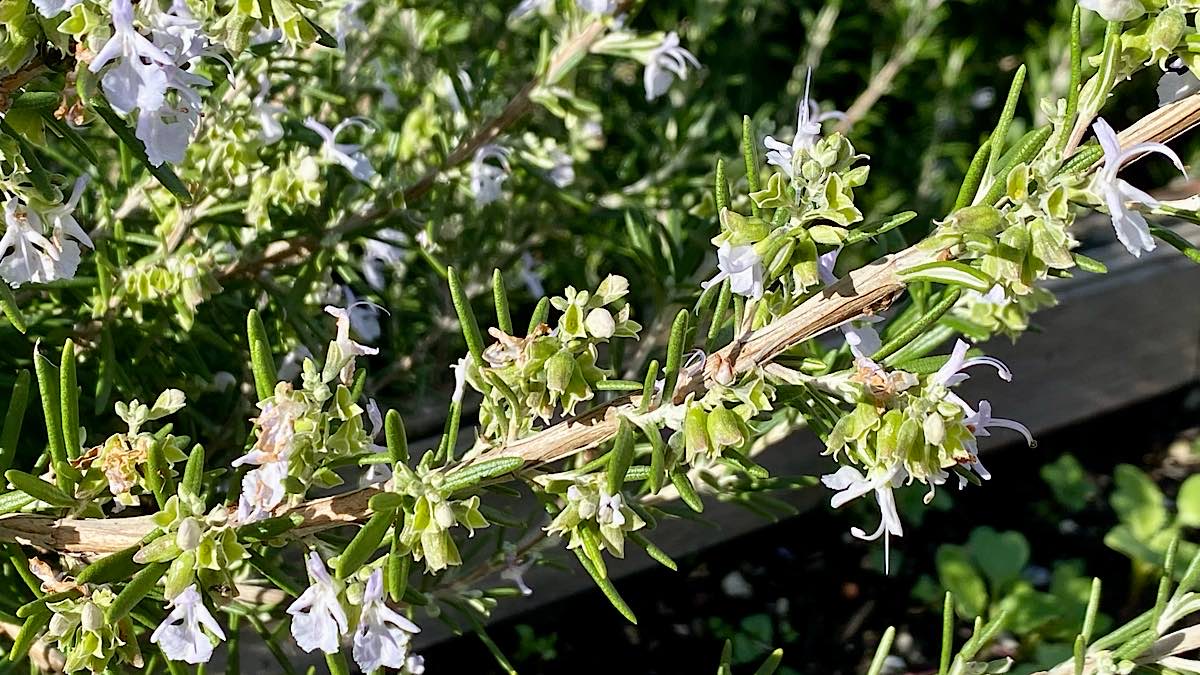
(443, 514)
(724, 428)
(559, 369)
(1166, 32)
(92, 618)
(695, 432)
(600, 324)
(189, 534)
(935, 428)
(981, 218)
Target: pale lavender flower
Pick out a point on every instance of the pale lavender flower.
(267, 112)
(515, 573)
(460, 379)
(808, 130)
(138, 79)
(27, 255)
(382, 636)
(1131, 227)
(262, 491)
(181, 635)
(348, 155)
(487, 178)
(742, 266)
(381, 251)
(608, 511)
(529, 275)
(665, 63)
(527, 7)
(851, 484)
(318, 620)
(1115, 10)
(597, 6)
(52, 8)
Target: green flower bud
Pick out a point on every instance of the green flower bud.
(1166, 32)
(443, 515)
(695, 432)
(559, 370)
(982, 218)
(725, 428)
(935, 428)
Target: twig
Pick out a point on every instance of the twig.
(11, 83)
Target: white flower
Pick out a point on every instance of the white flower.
(1115, 10)
(597, 6)
(516, 573)
(178, 33)
(379, 253)
(460, 379)
(267, 113)
(167, 131)
(665, 63)
(530, 276)
(528, 6)
(1131, 227)
(1174, 85)
(808, 129)
(377, 472)
(382, 635)
(348, 155)
(346, 21)
(276, 430)
(52, 8)
(262, 491)
(486, 179)
(181, 636)
(415, 664)
(608, 512)
(950, 374)
(562, 173)
(27, 255)
(318, 620)
(139, 79)
(850, 484)
(349, 347)
(742, 266)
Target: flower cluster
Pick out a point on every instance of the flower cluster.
(548, 370)
(430, 513)
(906, 428)
(381, 635)
(593, 519)
(121, 465)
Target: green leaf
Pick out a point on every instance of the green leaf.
(162, 173)
(8, 304)
(949, 272)
(675, 348)
(466, 317)
(262, 363)
(38, 488)
(622, 456)
(69, 397)
(1188, 501)
(958, 576)
(474, 474)
(13, 420)
(1138, 501)
(1001, 555)
(500, 295)
(142, 583)
(1070, 483)
(364, 543)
